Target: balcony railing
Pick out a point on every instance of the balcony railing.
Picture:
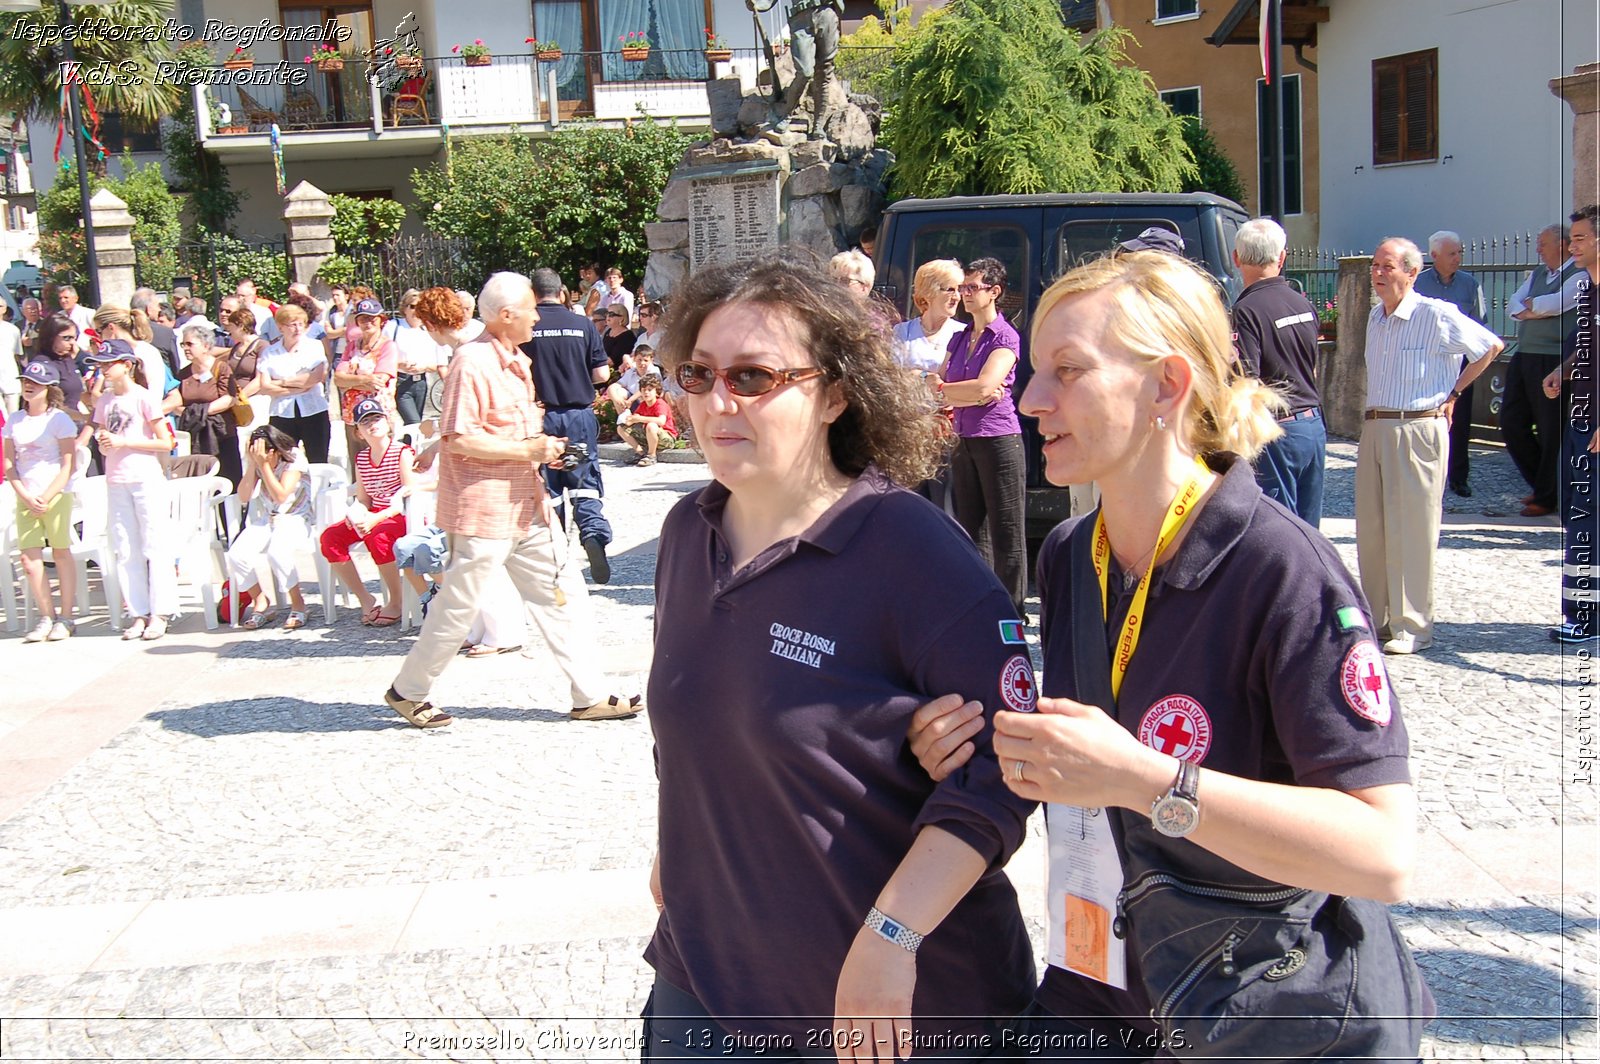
(509, 90)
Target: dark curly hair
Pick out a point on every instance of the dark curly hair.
(888, 421)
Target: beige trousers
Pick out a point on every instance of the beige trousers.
(1400, 475)
(540, 566)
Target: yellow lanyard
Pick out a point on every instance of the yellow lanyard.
(1177, 513)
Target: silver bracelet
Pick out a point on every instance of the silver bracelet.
(892, 930)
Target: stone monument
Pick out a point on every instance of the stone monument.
(770, 176)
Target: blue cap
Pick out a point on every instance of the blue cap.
(42, 371)
(1155, 238)
(113, 351)
(369, 308)
(367, 408)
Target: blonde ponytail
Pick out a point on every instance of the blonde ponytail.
(1165, 305)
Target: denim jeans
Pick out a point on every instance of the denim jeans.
(1290, 468)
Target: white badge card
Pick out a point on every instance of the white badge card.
(1085, 878)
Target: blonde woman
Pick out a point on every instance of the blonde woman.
(1229, 796)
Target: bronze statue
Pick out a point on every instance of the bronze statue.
(814, 44)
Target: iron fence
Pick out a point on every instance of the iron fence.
(405, 261)
(1500, 265)
(211, 268)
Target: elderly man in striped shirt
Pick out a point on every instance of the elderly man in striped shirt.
(1414, 377)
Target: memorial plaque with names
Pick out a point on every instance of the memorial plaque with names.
(732, 216)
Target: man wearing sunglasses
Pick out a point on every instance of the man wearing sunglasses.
(568, 362)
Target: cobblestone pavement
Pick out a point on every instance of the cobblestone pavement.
(259, 861)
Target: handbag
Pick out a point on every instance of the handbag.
(1235, 965)
(242, 413)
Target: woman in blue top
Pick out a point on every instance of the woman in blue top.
(805, 605)
(1221, 752)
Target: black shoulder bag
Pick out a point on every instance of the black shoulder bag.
(1237, 966)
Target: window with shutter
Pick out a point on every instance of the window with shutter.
(1405, 108)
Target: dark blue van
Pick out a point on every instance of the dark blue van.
(1038, 238)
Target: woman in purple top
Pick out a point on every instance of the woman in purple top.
(1221, 751)
(988, 469)
(805, 605)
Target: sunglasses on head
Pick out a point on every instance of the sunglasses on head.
(697, 378)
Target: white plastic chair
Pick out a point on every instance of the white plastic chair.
(9, 551)
(420, 507)
(91, 540)
(329, 505)
(194, 503)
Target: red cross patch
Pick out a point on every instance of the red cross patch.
(1366, 683)
(1016, 685)
(1177, 725)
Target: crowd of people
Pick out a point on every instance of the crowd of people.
(1221, 756)
(108, 391)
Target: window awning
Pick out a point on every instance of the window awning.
(1241, 24)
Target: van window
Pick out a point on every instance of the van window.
(1008, 243)
(1093, 237)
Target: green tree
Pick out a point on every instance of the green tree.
(30, 73)
(999, 96)
(583, 194)
(156, 228)
(1214, 171)
(360, 223)
(197, 170)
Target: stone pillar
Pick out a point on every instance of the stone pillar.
(113, 248)
(306, 214)
(1343, 375)
(1581, 90)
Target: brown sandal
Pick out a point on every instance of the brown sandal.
(422, 714)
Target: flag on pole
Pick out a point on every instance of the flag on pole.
(1266, 37)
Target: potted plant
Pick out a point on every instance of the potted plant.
(717, 50)
(474, 54)
(1328, 321)
(635, 46)
(544, 51)
(239, 60)
(408, 60)
(327, 59)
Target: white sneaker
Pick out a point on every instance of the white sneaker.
(40, 632)
(64, 628)
(155, 629)
(134, 630)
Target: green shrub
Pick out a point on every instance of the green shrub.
(582, 195)
(1214, 171)
(156, 225)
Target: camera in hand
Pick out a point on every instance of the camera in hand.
(574, 456)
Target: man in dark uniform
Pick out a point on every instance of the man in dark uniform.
(1579, 374)
(568, 361)
(1275, 330)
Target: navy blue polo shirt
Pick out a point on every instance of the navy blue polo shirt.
(1275, 329)
(1258, 658)
(779, 697)
(565, 351)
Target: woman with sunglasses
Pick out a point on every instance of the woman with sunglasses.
(988, 471)
(804, 857)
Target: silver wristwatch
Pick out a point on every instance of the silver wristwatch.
(893, 930)
(1176, 813)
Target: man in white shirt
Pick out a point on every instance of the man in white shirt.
(81, 316)
(473, 329)
(1414, 377)
(617, 292)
